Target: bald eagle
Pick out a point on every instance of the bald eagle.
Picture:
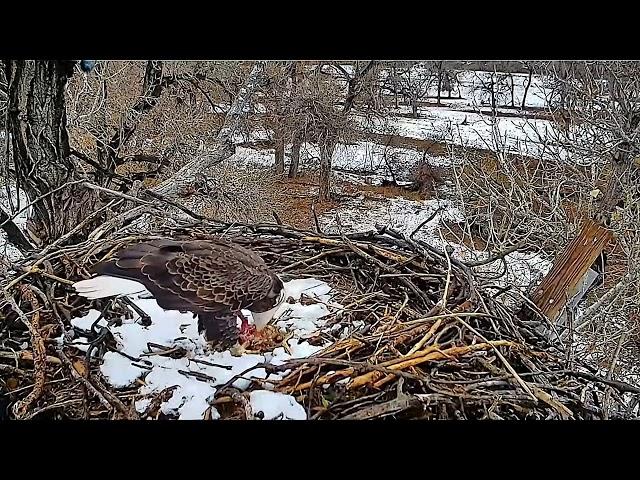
(214, 279)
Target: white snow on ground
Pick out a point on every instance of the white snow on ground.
(361, 162)
(246, 156)
(195, 377)
(275, 405)
(512, 134)
(398, 213)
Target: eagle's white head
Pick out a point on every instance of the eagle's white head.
(261, 319)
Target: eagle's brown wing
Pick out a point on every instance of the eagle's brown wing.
(201, 276)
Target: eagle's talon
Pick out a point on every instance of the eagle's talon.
(238, 349)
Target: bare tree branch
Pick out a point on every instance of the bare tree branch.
(187, 175)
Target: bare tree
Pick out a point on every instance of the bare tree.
(440, 74)
(412, 80)
(187, 176)
(333, 124)
(496, 89)
(298, 135)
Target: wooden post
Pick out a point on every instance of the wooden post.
(569, 268)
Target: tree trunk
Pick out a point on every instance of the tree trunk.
(439, 80)
(327, 146)
(526, 89)
(446, 83)
(296, 79)
(512, 90)
(295, 156)
(279, 153)
(414, 106)
(37, 120)
(395, 87)
(153, 83)
(493, 95)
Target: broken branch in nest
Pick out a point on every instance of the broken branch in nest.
(20, 408)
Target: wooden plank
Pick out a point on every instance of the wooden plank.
(562, 282)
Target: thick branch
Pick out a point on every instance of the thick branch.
(355, 84)
(151, 91)
(186, 176)
(14, 234)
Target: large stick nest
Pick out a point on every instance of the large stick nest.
(433, 343)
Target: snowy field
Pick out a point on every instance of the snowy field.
(369, 162)
(194, 378)
(448, 123)
(469, 89)
(532, 137)
(467, 121)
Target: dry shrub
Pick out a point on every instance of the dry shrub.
(235, 193)
(426, 177)
(97, 105)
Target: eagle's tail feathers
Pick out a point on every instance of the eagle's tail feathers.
(104, 286)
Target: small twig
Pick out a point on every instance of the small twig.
(315, 219)
(498, 256)
(277, 218)
(422, 224)
(506, 363)
(445, 294)
(204, 362)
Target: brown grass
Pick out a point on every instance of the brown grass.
(456, 234)
(297, 197)
(378, 192)
(432, 147)
(296, 200)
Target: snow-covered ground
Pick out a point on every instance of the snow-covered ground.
(532, 137)
(194, 377)
(472, 93)
(367, 162)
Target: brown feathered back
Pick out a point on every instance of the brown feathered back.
(202, 276)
